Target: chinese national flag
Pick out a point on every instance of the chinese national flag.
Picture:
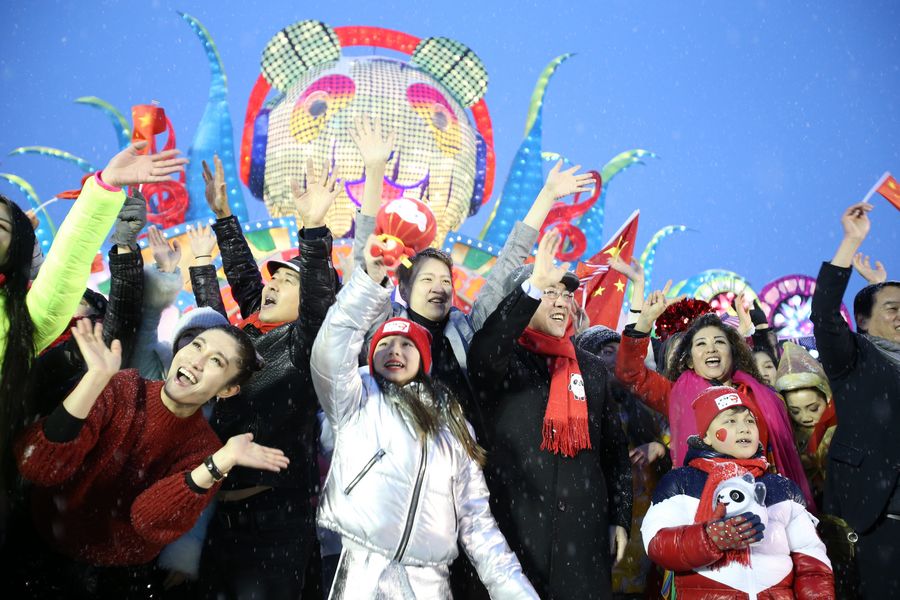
(890, 189)
(148, 120)
(602, 289)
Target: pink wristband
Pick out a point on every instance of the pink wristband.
(105, 185)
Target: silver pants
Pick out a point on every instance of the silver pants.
(363, 574)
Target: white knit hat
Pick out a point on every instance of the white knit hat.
(203, 317)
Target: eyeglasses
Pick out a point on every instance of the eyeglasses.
(554, 294)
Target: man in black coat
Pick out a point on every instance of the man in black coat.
(863, 479)
(262, 536)
(565, 509)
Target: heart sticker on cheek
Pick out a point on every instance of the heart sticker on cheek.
(721, 435)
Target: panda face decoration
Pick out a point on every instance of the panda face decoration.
(576, 386)
(741, 495)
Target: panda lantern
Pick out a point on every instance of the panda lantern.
(404, 226)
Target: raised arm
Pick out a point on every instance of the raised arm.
(631, 371)
(335, 354)
(318, 279)
(635, 274)
(493, 345)
(834, 340)
(375, 147)
(162, 284)
(126, 266)
(51, 450)
(59, 285)
(237, 260)
(521, 240)
(204, 282)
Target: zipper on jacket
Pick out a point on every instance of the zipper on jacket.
(365, 470)
(417, 490)
(453, 502)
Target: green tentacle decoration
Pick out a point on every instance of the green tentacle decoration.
(79, 162)
(119, 123)
(537, 96)
(46, 231)
(649, 253)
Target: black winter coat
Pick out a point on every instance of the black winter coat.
(59, 368)
(555, 511)
(864, 457)
(278, 405)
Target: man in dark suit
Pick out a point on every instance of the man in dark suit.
(863, 480)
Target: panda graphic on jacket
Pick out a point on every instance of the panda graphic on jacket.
(788, 562)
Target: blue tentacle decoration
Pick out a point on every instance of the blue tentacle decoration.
(214, 136)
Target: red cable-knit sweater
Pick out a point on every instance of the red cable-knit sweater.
(113, 489)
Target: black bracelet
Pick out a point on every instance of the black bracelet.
(214, 471)
(637, 312)
(203, 256)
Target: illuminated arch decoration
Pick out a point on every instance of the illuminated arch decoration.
(718, 287)
(787, 302)
(441, 159)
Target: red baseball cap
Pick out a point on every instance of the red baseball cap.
(714, 400)
(406, 328)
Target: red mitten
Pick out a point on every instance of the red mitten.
(734, 533)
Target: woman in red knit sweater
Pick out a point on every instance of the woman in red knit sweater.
(124, 465)
(709, 353)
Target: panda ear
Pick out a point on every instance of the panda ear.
(760, 493)
(455, 65)
(295, 50)
(748, 478)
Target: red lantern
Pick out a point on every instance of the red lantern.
(405, 226)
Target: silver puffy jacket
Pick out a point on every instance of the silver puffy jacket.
(386, 490)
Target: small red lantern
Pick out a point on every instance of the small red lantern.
(405, 226)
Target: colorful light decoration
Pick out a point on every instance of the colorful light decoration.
(441, 154)
(787, 302)
(716, 286)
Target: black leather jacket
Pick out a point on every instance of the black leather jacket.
(278, 405)
(60, 367)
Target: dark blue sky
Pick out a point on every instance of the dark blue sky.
(769, 117)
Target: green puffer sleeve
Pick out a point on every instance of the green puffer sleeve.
(60, 284)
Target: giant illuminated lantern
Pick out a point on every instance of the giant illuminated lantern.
(441, 158)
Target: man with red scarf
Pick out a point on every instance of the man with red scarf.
(558, 472)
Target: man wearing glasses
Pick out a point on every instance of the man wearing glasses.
(558, 467)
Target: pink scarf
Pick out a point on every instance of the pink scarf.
(781, 437)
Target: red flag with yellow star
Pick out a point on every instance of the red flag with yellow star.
(602, 290)
(890, 189)
(149, 120)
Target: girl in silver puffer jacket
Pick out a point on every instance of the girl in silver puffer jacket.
(405, 482)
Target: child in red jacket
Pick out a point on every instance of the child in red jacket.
(724, 524)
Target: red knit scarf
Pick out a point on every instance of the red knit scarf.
(828, 419)
(719, 470)
(565, 426)
(262, 327)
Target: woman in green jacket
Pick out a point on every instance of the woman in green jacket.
(31, 318)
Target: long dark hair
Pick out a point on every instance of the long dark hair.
(15, 400)
(741, 357)
(431, 405)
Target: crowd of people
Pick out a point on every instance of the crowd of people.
(340, 438)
